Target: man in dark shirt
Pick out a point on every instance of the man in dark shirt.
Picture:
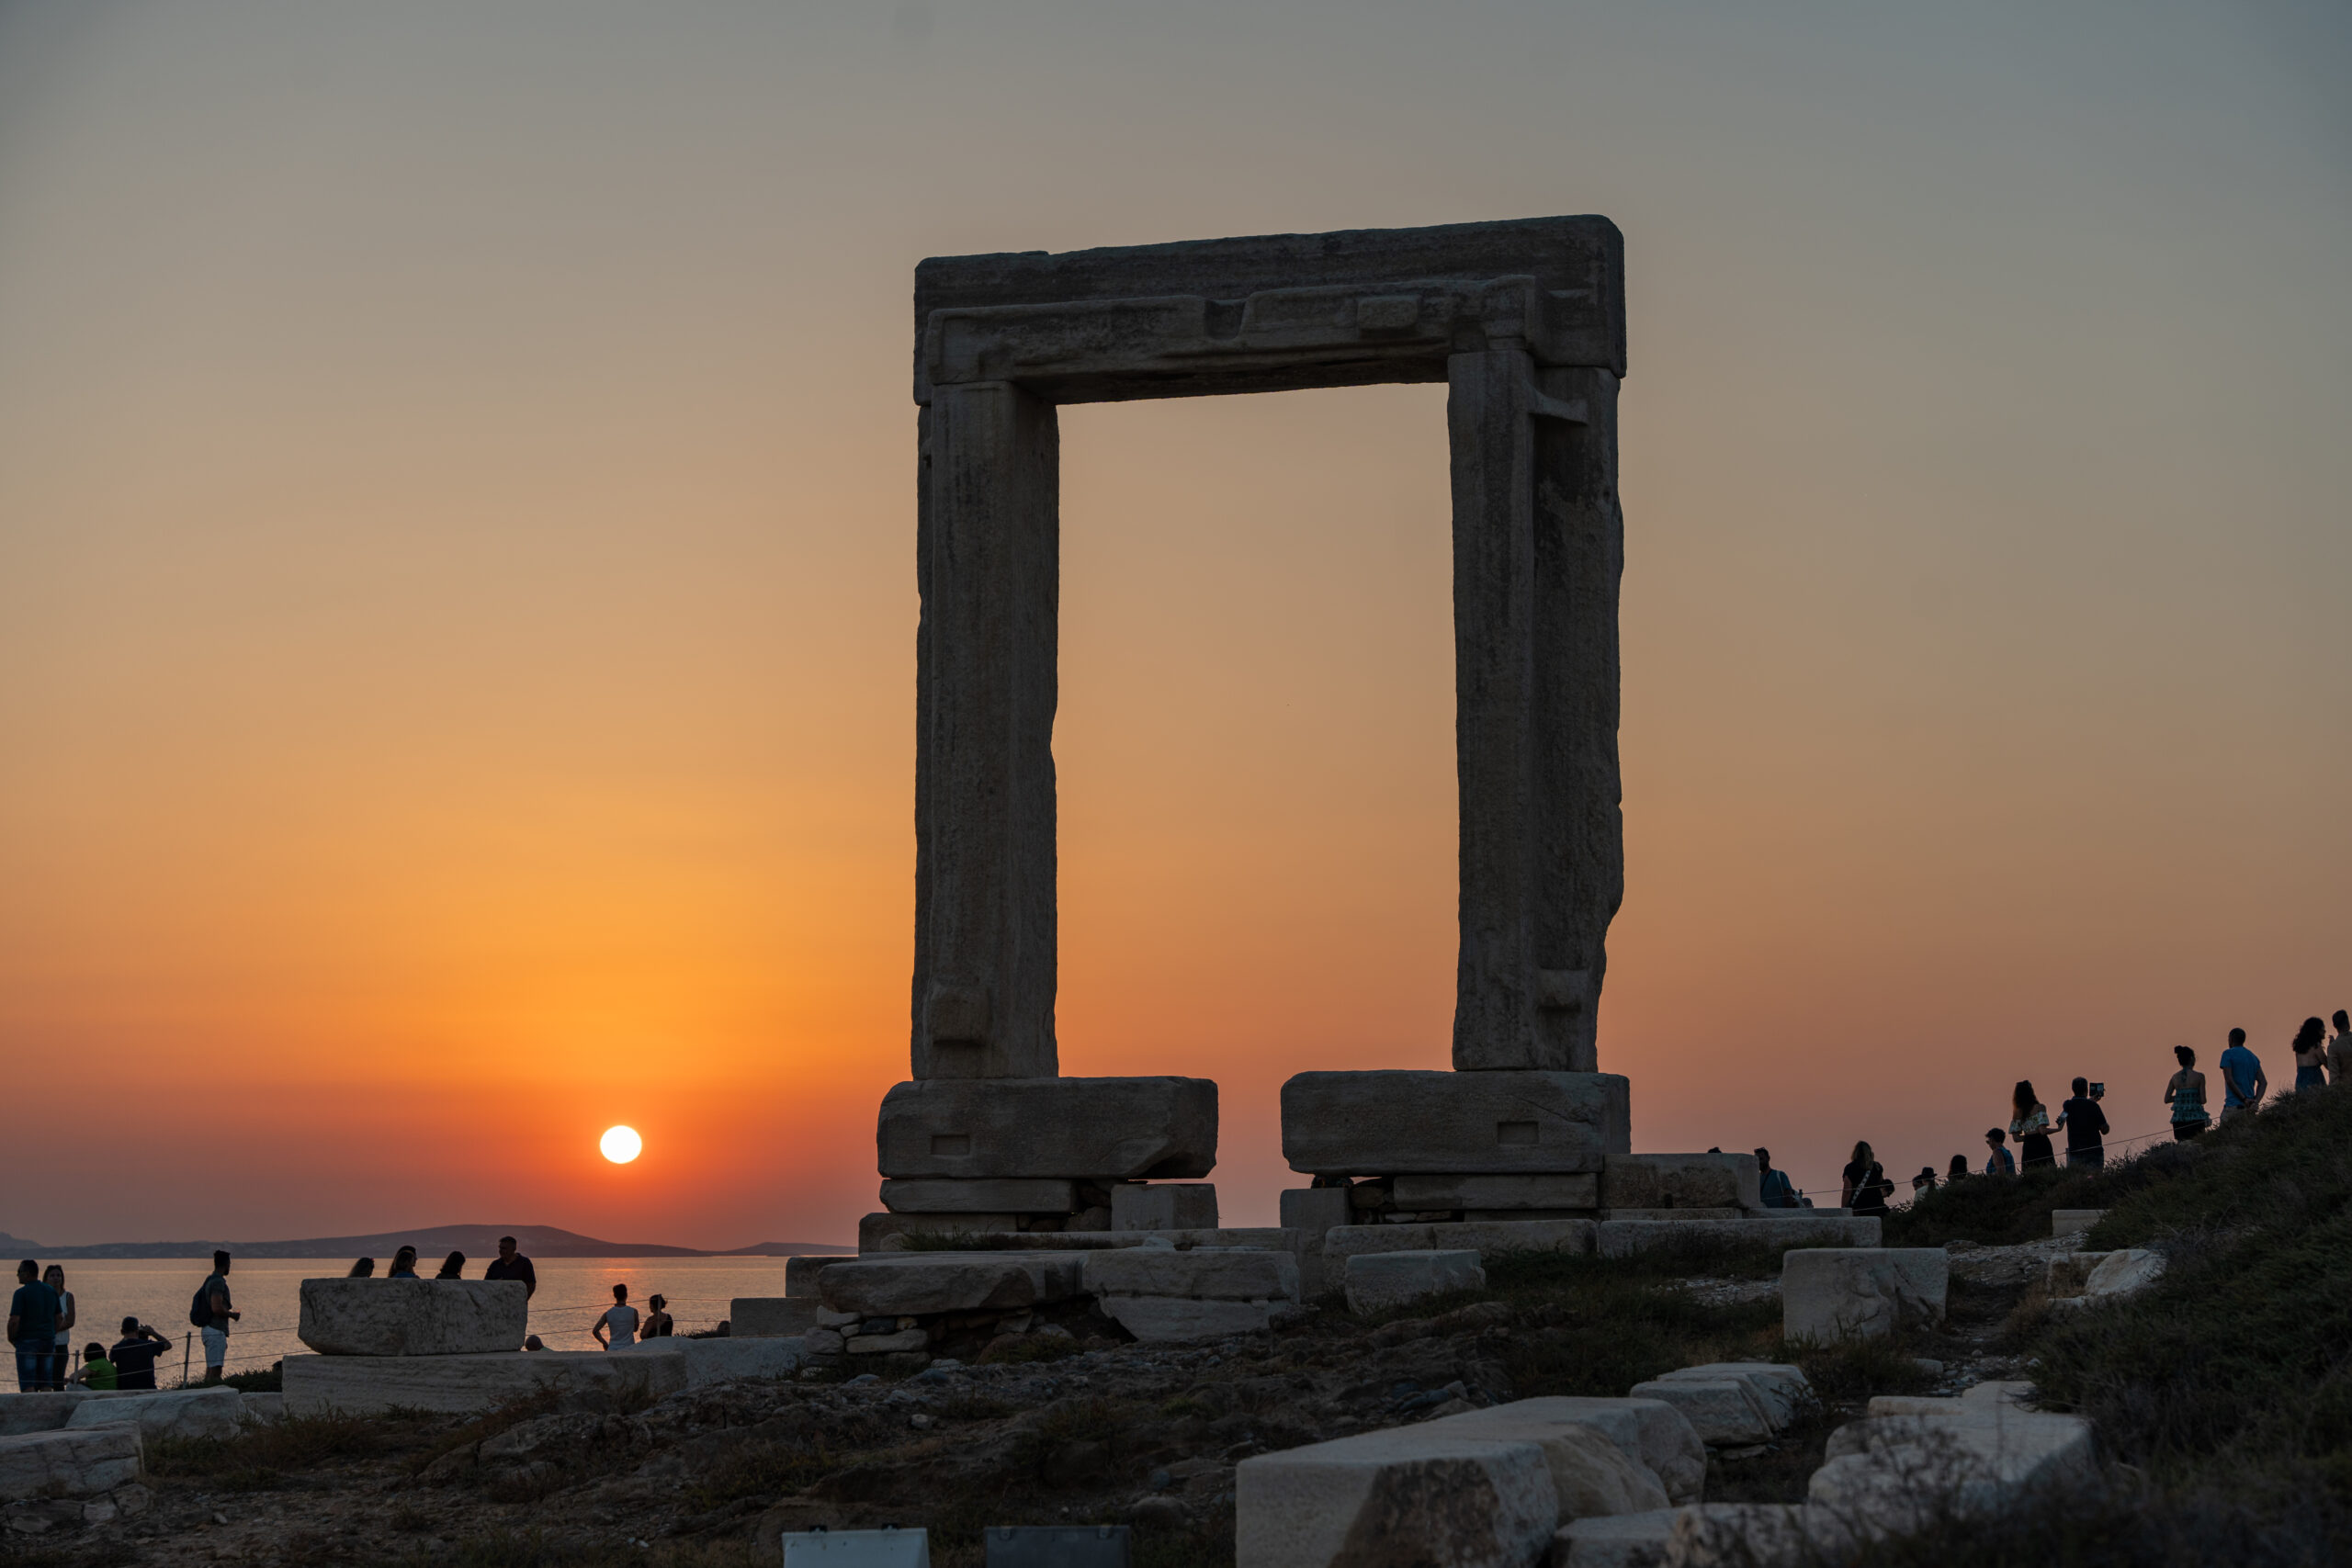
(2086, 1126)
(32, 1326)
(512, 1265)
(134, 1355)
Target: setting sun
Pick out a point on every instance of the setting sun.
(621, 1145)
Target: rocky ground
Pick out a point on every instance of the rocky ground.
(1146, 1434)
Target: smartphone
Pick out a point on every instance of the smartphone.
(2099, 1091)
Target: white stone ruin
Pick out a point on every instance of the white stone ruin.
(1524, 322)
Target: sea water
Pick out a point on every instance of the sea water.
(573, 1293)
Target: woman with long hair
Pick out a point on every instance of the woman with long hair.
(1855, 1177)
(403, 1265)
(2030, 1125)
(2311, 1056)
(2185, 1095)
(659, 1324)
(363, 1269)
(452, 1267)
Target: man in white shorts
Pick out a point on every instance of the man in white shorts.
(215, 1295)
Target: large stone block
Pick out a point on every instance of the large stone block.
(915, 1283)
(1725, 1412)
(1185, 1318)
(40, 1412)
(1834, 1293)
(1680, 1181)
(1118, 1128)
(1614, 1541)
(1598, 1467)
(367, 1385)
(886, 1231)
(1648, 1430)
(1200, 1273)
(771, 1317)
(413, 1317)
(1377, 1282)
(1625, 1238)
(1578, 1191)
(1410, 1495)
(1163, 1206)
(722, 1361)
(801, 1272)
(986, 1195)
(1387, 1123)
(1750, 1535)
(1314, 1210)
(1782, 1390)
(1901, 1472)
(76, 1461)
(178, 1413)
(1489, 1238)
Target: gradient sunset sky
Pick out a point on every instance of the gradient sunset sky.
(457, 592)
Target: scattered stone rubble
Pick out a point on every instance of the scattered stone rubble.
(2083, 1279)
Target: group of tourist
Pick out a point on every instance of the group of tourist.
(41, 1318)
(615, 1327)
(1864, 1187)
(510, 1264)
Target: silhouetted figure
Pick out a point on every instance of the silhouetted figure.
(61, 1347)
(2030, 1125)
(134, 1355)
(97, 1373)
(619, 1321)
(403, 1265)
(363, 1269)
(657, 1322)
(452, 1267)
(2311, 1056)
(1922, 1183)
(1870, 1197)
(2339, 1050)
(512, 1265)
(219, 1312)
(2185, 1094)
(533, 1342)
(1856, 1174)
(2086, 1126)
(2242, 1081)
(1959, 1168)
(32, 1326)
(2000, 1162)
(1773, 1189)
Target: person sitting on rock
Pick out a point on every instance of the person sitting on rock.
(452, 1267)
(2000, 1162)
(1773, 1189)
(96, 1372)
(659, 1324)
(363, 1269)
(403, 1265)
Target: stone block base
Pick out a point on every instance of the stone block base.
(911, 1284)
(800, 1272)
(1829, 1294)
(1388, 1123)
(1680, 1181)
(1378, 1281)
(1489, 1238)
(1000, 1195)
(1202, 1274)
(175, 1413)
(771, 1317)
(1177, 1319)
(1725, 1412)
(1115, 1129)
(367, 1385)
(1163, 1206)
(413, 1317)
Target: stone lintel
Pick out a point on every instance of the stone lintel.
(1303, 288)
(1397, 1123)
(999, 1195)
(1122, 1129)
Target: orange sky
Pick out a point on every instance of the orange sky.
(457, 590)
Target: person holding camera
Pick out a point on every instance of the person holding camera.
(2086, 1126)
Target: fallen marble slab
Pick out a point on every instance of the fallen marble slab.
(1377, 1282)
(1614, 1541)
(80, 1461)
(1649, 1431)
(1489, 1238)
(910, 1285)
(413, 1317)
(1829, 1294)
(366, 1385)
(1725, 1412)
(1185, 1319)
(212, 1411)
(1783, 1390)
(1241, 1274)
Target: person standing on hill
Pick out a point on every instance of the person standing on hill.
(220, 1313)
(2243, 1083)
(2030, 1125)
(2185, 1095)
(512, 1265)
(32, 1326)
(2311, 1057)
(2086, 1126)
(2339, 1050)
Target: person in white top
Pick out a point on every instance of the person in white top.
(619, 1321)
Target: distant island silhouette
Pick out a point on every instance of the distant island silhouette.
(474, 1241)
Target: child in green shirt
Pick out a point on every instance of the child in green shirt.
(97, 1373)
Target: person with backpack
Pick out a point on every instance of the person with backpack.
(1773, 1189)
(214, 1311)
